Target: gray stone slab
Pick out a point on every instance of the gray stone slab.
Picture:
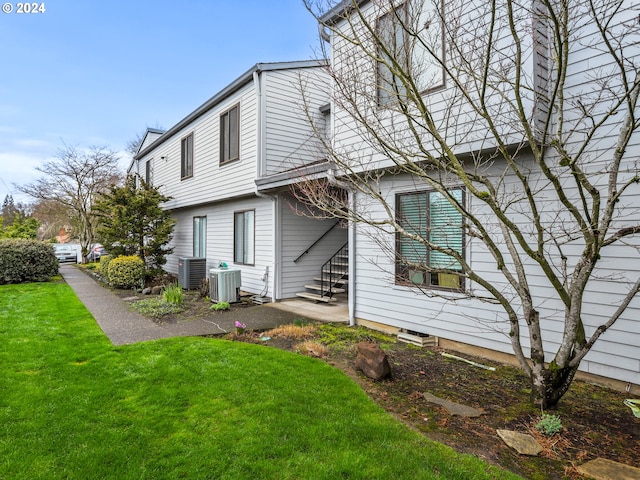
(452, 407)
(603, 469)
(522, 443)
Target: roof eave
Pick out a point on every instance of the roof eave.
(225, 93)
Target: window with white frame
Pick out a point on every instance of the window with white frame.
(186, 155)
(244, 237)
(230, 135)
(434, 218)
(200, 237)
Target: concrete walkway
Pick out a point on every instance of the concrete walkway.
(124, 326)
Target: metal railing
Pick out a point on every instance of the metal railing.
(334, 270)
(317, 241)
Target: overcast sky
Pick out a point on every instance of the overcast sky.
(96, 73)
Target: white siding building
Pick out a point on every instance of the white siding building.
(385, 297)
(253, 131)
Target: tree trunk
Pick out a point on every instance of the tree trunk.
(549, 386)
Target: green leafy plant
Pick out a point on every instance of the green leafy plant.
(220, 306)
(23, 260)
(103, 265)
(126, 271)
(156, 307)
(173, 294)
(549, 425)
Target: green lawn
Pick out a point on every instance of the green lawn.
(74, 406)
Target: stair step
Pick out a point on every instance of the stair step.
(340, 264)
(337, 271)
(315, 297)
(338, 281)
(319, 288)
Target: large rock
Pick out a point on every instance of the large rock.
(522, 443)
(603, 469)
(372, 361)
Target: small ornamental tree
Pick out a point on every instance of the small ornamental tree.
(133, 222)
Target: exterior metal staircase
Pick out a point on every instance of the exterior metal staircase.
(332, 280)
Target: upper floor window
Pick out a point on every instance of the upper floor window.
(393, 54)
(230, 135)
(186, 156)
(434, 218)
(410, 45)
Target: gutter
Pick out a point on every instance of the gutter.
(260, 168)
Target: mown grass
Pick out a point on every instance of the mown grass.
(74, 406)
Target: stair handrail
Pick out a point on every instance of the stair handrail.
(330, 280)
(317, 241)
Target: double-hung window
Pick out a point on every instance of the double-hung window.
(437, 223)
(244, 237)
(186, 163)
(200, 237)
(230, 135)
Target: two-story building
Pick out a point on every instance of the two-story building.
(228, 166)
(426, 93)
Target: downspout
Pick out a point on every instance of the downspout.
(273, 275)
(352, 246)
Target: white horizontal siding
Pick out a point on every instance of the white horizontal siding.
(220, 239)
(210, 181)
(471, 321)
(298, 233)
(289, 137)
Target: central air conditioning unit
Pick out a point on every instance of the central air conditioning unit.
(224, 285)
(191, 272)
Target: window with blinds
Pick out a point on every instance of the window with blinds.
(230, 135)
(186, 156)
(429, 218)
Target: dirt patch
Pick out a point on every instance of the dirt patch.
(595, 421)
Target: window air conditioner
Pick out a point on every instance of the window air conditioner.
(191, 272)
(224, 285)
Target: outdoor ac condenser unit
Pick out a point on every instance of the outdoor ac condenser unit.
(191, 272)
(224, 285)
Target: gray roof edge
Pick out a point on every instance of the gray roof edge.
(226, 92)
(332, 16)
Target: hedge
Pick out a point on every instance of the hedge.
(23, 261)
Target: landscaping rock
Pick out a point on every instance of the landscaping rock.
(157, 290)
(452, 407)
(603, 469)
(372, 361)
(522, 443)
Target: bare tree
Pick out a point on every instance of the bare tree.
(73, 179)
(528, 147)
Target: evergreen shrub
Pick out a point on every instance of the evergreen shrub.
(23, 260)
(103, 265)
(126, 271)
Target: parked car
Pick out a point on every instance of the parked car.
(96, 252)
(65, 253)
